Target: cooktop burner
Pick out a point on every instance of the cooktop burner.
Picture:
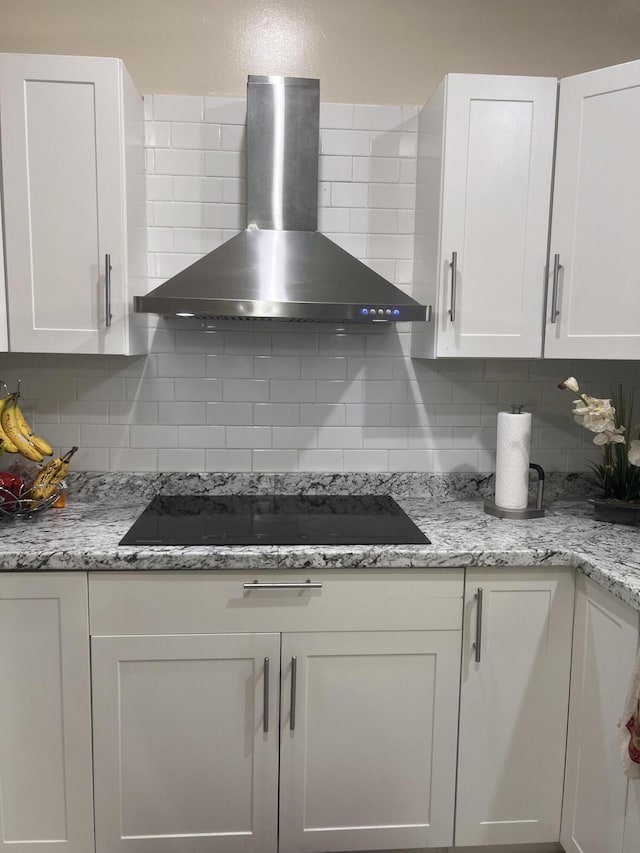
(273, 520)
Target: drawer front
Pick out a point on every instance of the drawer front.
(218, 602)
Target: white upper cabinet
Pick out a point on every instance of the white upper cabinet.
(593, 303)
(484, 184)
(72, 142)
(4, 335)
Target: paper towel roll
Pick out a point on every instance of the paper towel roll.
(512, 459)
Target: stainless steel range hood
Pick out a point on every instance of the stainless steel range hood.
(280, 267)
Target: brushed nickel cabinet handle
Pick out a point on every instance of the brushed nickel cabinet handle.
(478, 643)
(557, 266)
(453, 266)
(284, 585)
(294, 680)
(265, 697)
(107, 289)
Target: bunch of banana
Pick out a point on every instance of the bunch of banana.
(16, 434)
(47, 479)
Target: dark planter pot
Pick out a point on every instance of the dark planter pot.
(616, 512)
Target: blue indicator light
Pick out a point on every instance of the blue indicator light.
(364, 311)
(396, 312)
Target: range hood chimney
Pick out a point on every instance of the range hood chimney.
(280, 267)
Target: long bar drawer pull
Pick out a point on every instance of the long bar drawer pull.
(453, 266)
(107, 289)
(294, 680)
(478, 643)
(284, 585)
(265, 697)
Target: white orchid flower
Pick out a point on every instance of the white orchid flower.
(610, 436)
(634, 453)
(571, 384)
(594, 414)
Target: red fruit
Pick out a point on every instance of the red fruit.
(11, 488)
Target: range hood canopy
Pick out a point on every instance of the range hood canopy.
(280, 267)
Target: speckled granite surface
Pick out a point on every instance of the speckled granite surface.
(85, 534)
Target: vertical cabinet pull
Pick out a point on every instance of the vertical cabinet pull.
(107, 289)
(557, 266)
(294, 679)
(453, 266)
(478, 643)
(265, 697)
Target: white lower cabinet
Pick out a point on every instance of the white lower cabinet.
(45, 714)
(359, 707)
(513, 705)
(601, 806)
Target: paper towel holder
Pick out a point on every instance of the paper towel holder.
(536, 511)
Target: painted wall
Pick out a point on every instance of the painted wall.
(364, 51)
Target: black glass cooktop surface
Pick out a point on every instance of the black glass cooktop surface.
(273, 520)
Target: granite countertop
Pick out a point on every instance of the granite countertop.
(84, 536)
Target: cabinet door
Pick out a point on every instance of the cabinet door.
(593, 310)
(63, 143)
(604, 650)
(513, 705)
(497, 153)
(45, 714)
(368, 740)
(4, 334)
(182, 759)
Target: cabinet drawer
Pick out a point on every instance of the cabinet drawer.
(217, 602)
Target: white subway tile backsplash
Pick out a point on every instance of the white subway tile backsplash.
(204, 137)
(336, 116)
(104, 435)
(349, 194)
(274, 460)
(383, 169)
(373, 117)
(234, 190)
(133, 459)
(176, 107)
(411, 460)
(245, 390)
(324, 367)
(177, 214)
(174, 161)
(153, 436)
(200, 436)
(248, 436)
(224, 396)
(277, 367)
(196, 241)
(232, 216)
(198, 389)
(344, 143)
(159, 188)
(320, 460)
(229, 164)
(181, 413)
(277, 414)
(295, 437)
(234, 137)
(226, 414)
(298, 391)
(335, 436)
(225, 110)
(366, 460)
(335, 168)
(198, 188)
(181, 460)
(227, 460)
(392, 195)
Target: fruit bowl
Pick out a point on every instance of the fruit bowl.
(24, 504)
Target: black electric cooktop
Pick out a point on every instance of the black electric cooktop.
(274, 520)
